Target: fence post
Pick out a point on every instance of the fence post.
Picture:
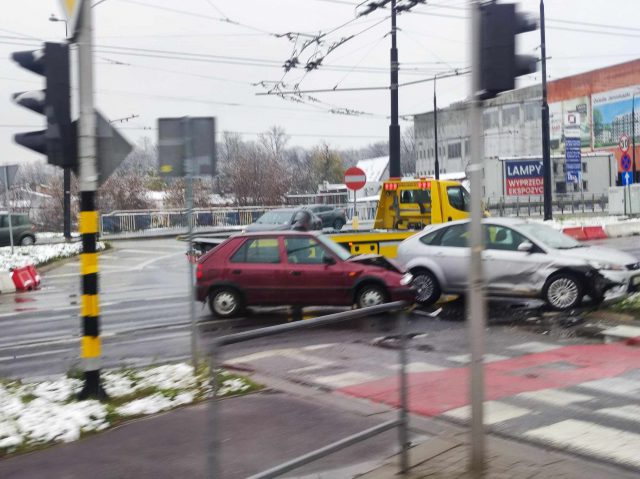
(593, 202)
(517, 206)
(573, 206)
(403, 430)
(213, 449)
(529, 206)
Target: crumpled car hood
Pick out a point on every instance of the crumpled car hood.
(377, 260)
(600, 254)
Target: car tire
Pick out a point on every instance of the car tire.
(563, 291)
(225, 302)
(338, 224)
(371, 295)
(27, 240)
(427, 287)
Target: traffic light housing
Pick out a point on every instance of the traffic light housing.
(58, 140)
(499, 63)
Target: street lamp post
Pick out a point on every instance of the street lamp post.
(66, 187)
(633, 136)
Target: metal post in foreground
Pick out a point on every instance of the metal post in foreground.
(403, 429)
(189, 167)
(88, 221)
(213, 449)
(476, 302)
(435, 129)
(66, 203)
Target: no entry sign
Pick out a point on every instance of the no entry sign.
(355, 178)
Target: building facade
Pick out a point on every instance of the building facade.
(600, 101)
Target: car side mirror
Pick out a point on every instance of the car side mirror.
(328, 260)
(525, 247)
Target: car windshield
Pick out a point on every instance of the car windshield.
(548, 236)
(335, 248)
(275, 218)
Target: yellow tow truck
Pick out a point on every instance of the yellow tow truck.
(404, 207)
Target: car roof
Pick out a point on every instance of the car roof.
(496, 220)
(278, 233)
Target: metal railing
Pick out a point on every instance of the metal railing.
(399, 308)
(576, 203)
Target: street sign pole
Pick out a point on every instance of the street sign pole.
(476, 301)
(355, 179)
(6, 192)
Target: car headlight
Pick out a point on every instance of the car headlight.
(406, 279)
(607, 266)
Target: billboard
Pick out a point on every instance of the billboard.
(524, 177)
(612, 115)
(558, 111)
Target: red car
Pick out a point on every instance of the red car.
(294, 268)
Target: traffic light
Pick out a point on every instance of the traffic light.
(58, 141)
(499, 64)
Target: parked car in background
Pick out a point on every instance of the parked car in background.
(331, 216)
(521, 259)
(294, 268)
(24, 232)
(286, 219)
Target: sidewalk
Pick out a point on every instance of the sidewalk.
(262, 430)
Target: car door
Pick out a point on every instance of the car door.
(507, 270)
(257, 268)
(309, 279)
(451, 253)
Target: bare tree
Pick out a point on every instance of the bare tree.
(326, 165)
(408, 152)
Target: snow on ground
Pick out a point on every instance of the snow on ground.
(47, 412)
(38, 254)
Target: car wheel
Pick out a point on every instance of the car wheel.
(225, 302)
(563, 291)
(426, 285)
(338, 224)
(371, 295)
(27, 240)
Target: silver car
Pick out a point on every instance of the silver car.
(521, 259)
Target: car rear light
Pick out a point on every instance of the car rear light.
(199, 272)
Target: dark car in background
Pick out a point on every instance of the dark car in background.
(286, 219)
(293, 268)
(331, 216)
(24, 232)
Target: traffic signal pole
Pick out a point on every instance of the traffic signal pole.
(88, 221)
(546, 153)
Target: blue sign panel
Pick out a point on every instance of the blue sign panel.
(524, 177)
(573, 160)
(627, 178)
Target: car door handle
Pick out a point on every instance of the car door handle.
(236, 271)
(296, 273)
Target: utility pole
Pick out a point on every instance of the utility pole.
(88, 220)
(394, 127)
(633, 137)
(546, 153)
(435, 128)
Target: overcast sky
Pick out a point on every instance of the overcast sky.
(167, 58)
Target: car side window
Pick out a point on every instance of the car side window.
(4, 221)
(258, 250)
(458, 198)
(432, 239)
(455, 236)
(304, 251)
(502, 238)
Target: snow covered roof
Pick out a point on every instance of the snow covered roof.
(374, 168)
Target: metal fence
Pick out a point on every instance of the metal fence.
(401, 317)
(135, 221)
(577, 203)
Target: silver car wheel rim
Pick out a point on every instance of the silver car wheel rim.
(562, 293)
(424, 285)
(224, 303)
(27, 241)
(371, 297)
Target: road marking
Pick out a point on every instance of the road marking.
(617, 385)
(488, 358)
(595, 440)
(144, 251)
(144, 264)
(417, 367)
(629, 413)
(555, 397)
(494, 412)
(534, 347)
(313, 347)
(344, 379)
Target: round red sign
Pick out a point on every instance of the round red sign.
(623, 143)
(355, 178)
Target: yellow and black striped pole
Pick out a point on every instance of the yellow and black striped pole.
(90, 347)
